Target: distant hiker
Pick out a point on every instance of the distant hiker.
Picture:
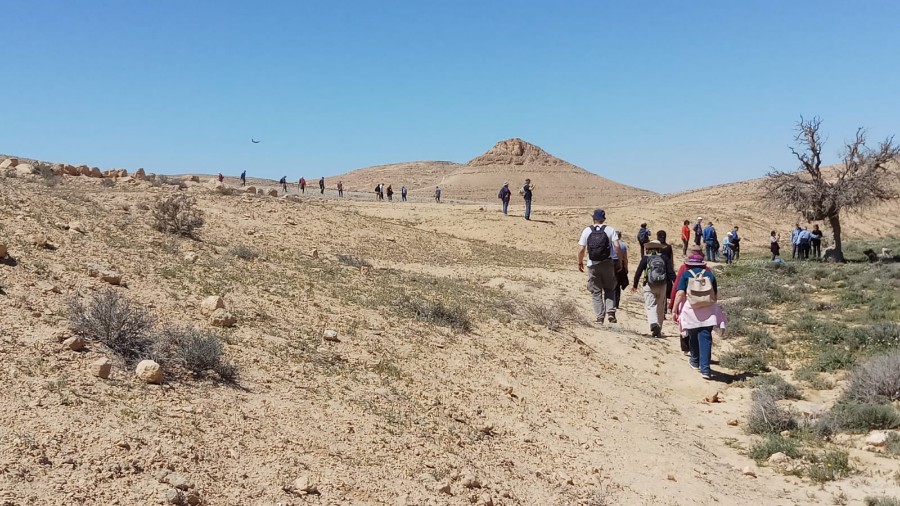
(527, 190)
(437, 194)
(340, 188)
(697, 312)
(322, 186)
(403, 193)
(735, 244)
(302, 185)
(815, 241)
(221, 177)
(795, 241)
(244, 178)
(685, 236)
(668, 253)
(773, 245)
(803, 243)
(698, 230)
(390, 193)
(380, 191)
(600, 243)
(711, 239)
(643, 237)
(283, 182)
(621, 269)
(504, 196)
(658, 275)
(726, 245)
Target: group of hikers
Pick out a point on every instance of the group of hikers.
(527, 193)
(381, 191)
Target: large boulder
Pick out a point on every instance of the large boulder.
(25, 169)
(222, 318)
(251, 190)
(149, 371)
(140, 174)
(273, 192)
(9, 163)
(95, 172)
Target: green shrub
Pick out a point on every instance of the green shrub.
(835, 464)
(775, 385)
(455, 317)
(197, 351)
(813, 378)
(892, 446)
(881, 500)
(849, 416)
(772, 444)
(744, 361)
(761, 339)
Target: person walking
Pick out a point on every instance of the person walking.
(698, 313)
(437, 194)
(815, 241)
(390, 193)
(773, 244)
(643, 237)
(668, 253)
(698, 230)
(658, 275)
(527, 190)
(283, 182)
(221, 177)
(735, 244)
(695, 251)
(598, 242)
(302, 184)
(505, 195)
(340, 188)
(380, 191)
(621, 269)
(803, 239)
(685, 236)
(244, 178)
(795, 241)
(403, 193)
(727, 248)
(711, 239)
(322, 186)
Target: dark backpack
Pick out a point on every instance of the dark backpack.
(656, 270)
(643, 236)
(598, 245)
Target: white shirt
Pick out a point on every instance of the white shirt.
(610, 232)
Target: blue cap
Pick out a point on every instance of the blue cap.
(599, 215)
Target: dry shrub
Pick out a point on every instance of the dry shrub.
(177, 214)
(876, 381)
(456, 317)
(109, 317)
(243, 252)
(353, 261)
(766, 416)
(196, 351)
(553, 316)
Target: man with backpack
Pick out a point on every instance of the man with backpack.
(283, 182)
(599, 242)
(244, 178)
(735, 244)
(698, 313)
(658, 275)
(504, 196)
(643, 237)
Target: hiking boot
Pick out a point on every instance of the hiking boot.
(694, 367)
(655, 330)
(612, 318)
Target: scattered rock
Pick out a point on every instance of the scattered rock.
(470, 481)
(305, 484)
(77, 227)
(179, 481)
(75, 343)
(101, 368)
(38, 240)
(222, 318)
(211, 304)
(712, 399)
(148, 371)
(251, 190)
(9, 163)
(106, 275)
(192, 497)
(671, 477)
(140, 174)
(486, 499)
(877, 438)
(331, 335)
(173, 496)
(191, 257)
(273, 193)
(314, 253)
(778, 458)
(733, 422)
(3, 251)
(748, 471)
(48, 287)
(365, 270)
(444, 488)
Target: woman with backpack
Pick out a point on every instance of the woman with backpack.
(658, 274)
(698, 313)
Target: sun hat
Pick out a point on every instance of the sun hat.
(506, 183)
(599, 215)
(699, 218)
(653, 245)
(695, 261)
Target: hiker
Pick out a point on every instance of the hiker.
(815, 241)
(390, 193)
(773, 245)
(658, 275)
(283, 182)
(322, 186)
(526, 194)
(669, 254)
(600, 243)
(403, 193)
(795, 241)
(244, 178)
(504, 196)
(712, 242)
(302, 184)
(697, 312)
(437, 194)
(621, 269)
(727, 247)
(340, 188)
(735, 244)
(695, 250)
(803, 243)
(698, 230)
(221, 177)
(643, 237)
(685, 236)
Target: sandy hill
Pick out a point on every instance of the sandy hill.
(558, 182)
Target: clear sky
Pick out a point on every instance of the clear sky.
(661, 94)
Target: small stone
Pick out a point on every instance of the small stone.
(273, 193)
(47, 287)
(486, 499)
(211, 304)
(749, 471)
(314, 253)
(712, 399)
(77, 227)
(191, 257)
(106, 275)
(38, 240)
(365, 270)
(173, 496)
(785, 433)
(778, 458)
(251, 190)
(222, 318)
(74, 343)
(305, 485)
(3, 251)
(877, 438)
(671, 477)
(179, 481)
(733, 422)
(192, 497)
(331, 335)
(444, 488)
(469, 481)
(148, 371)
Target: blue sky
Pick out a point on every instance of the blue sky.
(659, 94)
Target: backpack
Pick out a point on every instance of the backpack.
(377, 187)
(656, 270)
(643, 236)
(700, 291)
(598, 245)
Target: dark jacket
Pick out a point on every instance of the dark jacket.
(638, 274)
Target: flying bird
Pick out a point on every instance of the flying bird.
(254, 141)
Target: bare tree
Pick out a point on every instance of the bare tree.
(863, 178)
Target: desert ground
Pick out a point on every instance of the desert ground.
(395, 409)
